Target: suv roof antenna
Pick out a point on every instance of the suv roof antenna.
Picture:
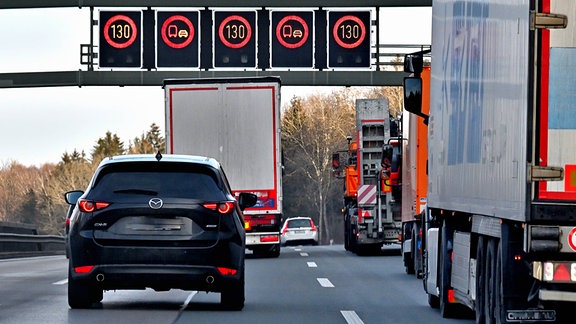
(158, 156)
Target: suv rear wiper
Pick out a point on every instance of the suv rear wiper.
(137, 191)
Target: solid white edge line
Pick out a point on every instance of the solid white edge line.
(324, 282)
(351, 317)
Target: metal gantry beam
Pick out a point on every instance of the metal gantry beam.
(155, 78)
(15, 4)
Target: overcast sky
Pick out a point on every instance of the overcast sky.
(40, 124)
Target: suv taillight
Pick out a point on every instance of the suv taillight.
(221, 207)
(313, 227)
(88, 206)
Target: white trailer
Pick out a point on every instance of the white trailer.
(500, 230)
(237, 122)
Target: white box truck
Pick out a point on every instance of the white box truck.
(237, 122)
(500, 227)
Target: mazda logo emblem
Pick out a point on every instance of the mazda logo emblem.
(155, 203)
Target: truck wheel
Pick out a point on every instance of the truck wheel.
(433, 301)
(409, 263)
(274, 251)
(489, 281)
(498, 309)
(415, 256)
(447, 309)
(268, 251)
(353, 240)
(480, 260)
(346, 235)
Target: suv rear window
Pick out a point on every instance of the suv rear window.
(295, 223)
(176, 180)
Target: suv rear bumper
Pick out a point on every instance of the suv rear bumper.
(159, 268)
(158, 277)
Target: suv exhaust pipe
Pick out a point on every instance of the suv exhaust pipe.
(209, 280)
(100, 277)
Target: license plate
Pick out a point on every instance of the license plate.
(299, 232)
(531, 315)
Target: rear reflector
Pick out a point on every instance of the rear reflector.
(84, 269)
(451, 297)
(269, 238)
(227, 271)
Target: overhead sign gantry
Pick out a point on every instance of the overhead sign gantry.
(177, 39)
(237, 38)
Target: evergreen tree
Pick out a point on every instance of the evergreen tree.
(148, 143)
(109, 145)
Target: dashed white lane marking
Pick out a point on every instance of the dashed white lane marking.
(351, 317)
(304, 254)
(324, 282)
(61, 282)
(312, 265)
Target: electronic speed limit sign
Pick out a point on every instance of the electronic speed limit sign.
(235, 39)
(120, 40)
(349, 39)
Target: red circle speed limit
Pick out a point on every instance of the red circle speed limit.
(349, 31)
(120, 31)
(572, 239)
(235, 31)
(292, 31)
(176, 28)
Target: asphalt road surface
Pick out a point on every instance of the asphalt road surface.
(306, 284)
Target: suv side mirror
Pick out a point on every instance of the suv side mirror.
(246, 200)
(71, 197)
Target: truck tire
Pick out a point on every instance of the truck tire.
(499, 316)
(489, 281)
(353, 241)
(415, 255)
(409, 262)
(269, 251)
(275, 251)
(480, 260)
(347, 234)
(447, 309)
(433, 301)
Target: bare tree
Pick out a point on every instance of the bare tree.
(16, 180)
(55, 181)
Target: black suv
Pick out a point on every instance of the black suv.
(160, 222)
